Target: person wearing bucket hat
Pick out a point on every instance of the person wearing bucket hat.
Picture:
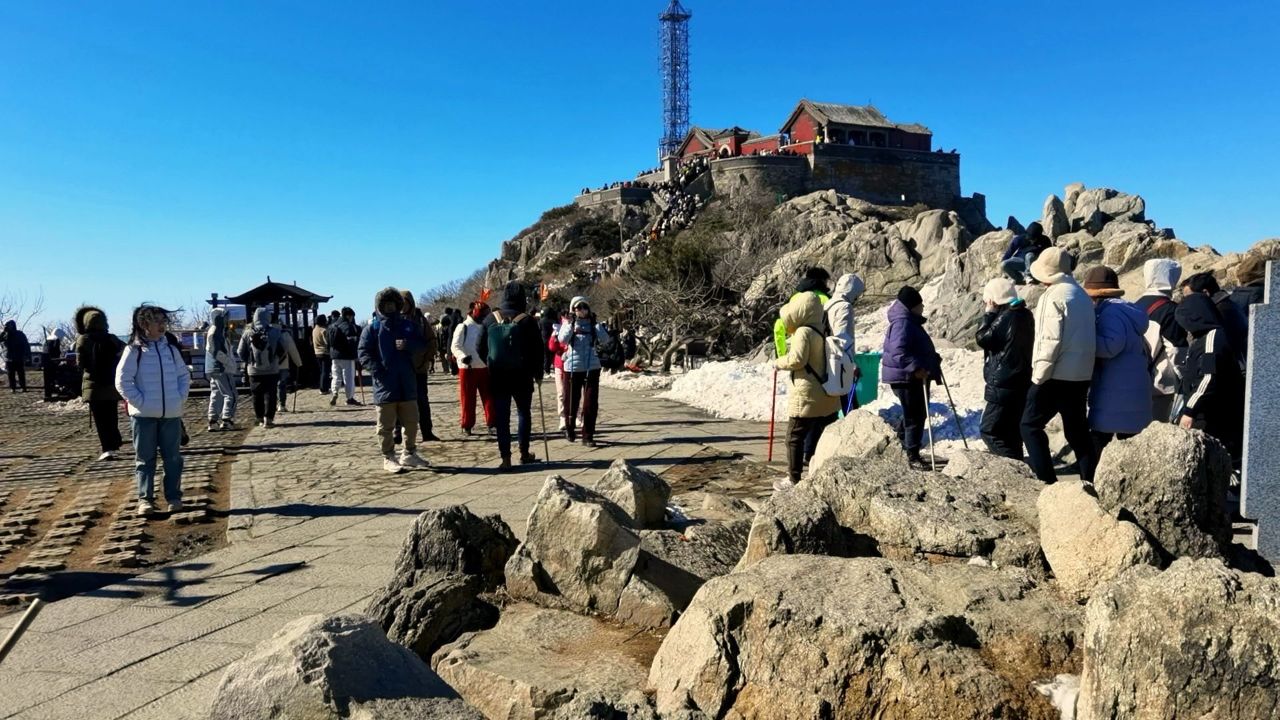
(1006, 337)
(1120, 393)
(1061, 367)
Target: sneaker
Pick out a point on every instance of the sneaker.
(268, 423)
(146, 507)
(259, 422)
(175, 506)
(570, 435)
(560, 427)
(107, 455)
(431, 437)
(213, 426)
(528, 458)
(918, 463)
(353, 401)
(413, 460)
(466, 431)
(282, 409)
(588, 442)
(333, 401)
(228, 425)
(390, 465)
(505, 464)
(783, 484)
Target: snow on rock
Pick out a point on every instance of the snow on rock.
(1062, 691)
(64, 407)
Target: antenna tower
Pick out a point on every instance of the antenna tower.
(674, 42)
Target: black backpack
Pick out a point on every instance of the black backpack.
(610, 351)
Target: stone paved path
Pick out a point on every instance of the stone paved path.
(315, 528)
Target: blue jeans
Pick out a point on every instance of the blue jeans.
(504, 390)
(150, 435)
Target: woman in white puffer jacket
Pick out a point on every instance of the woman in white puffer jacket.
(154, 381)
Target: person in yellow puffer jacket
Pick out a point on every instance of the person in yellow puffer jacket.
(815, 281)
(809, 407)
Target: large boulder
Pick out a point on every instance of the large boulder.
(895, 511)
(1054, 218)
(449, 558)
(1173, 483)
(1198, 640)
(316, 666)
(803, 636)
(579, 550)
(860, 434)
(542, 663)
(1084, 546)
(1096, 207)
(954, 298)
(674, 565)
(795, 522)
(640, 493)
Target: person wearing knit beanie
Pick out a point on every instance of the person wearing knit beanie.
(909, 361)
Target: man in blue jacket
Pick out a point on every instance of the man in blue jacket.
(386, 350)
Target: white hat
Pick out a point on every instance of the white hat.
(1000, 291)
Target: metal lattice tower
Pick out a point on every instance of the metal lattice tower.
(674, 41)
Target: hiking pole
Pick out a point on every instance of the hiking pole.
(360, 381)
(954, 414)
(542, 411)
(23, 623)
(928, 423)
(773, 406)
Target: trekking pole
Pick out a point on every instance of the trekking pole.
(928, 420)
(23, 623)
(360, 381)
(773, 406)
(954, 414)
(542, 411)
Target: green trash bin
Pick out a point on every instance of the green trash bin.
(869, 365)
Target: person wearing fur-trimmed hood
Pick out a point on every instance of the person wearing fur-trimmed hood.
(98, 354)
(387, 348)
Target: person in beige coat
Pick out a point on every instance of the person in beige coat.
(809, 407)
(1061, 367)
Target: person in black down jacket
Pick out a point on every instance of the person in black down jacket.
(1212, 384)
(98, 353)
(1006, 336)
(1235, 323)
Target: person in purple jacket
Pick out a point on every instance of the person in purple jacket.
(908, 362)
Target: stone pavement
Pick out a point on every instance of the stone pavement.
(315, 527)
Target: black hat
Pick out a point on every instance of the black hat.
(817, 273)
(909, 296)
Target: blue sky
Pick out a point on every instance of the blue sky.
(158, 150)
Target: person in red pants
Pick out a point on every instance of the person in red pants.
(473, 373)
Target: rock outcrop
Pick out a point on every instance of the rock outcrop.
(542, 663)
(860, 434)
(449, 558)
(317, 666)
(801, 636)
(1198, 640)
(1084, 546)
(796, 522)
(642, 495)
(898, 512)
(1173, 483)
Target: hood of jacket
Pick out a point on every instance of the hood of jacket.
(1197, 315)
(90, 319)
(57, 335)
(898, 311)
(10, 326)
(849, 288)
(804, 309)
(262, 318)
(218, 317)
(387, 294)
(576, 301)
(1131, 314)
(513, 300)
(1160, 276)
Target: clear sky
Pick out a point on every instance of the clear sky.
(164, 150)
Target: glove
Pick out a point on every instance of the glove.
(467, 361)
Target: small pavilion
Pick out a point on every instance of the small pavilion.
(295, 307)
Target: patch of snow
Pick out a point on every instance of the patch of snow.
(639, 382)
(1062, 691)
(732, 389)
(64, 407)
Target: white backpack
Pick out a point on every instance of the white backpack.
(840, 373)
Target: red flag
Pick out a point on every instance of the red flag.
(484, 295)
